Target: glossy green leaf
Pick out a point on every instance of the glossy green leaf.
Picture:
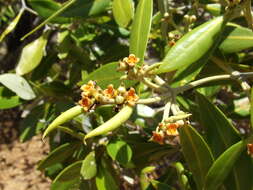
(58, 155)
(69, 178)
(221, 135)
(141, 28)
(223, 166)
(32, 55)
(192, 46)
(11, 26)
(108, 74)
(51, 17)
(219, 131)
(18, 85)
(86, 8)
(89, 166)
(45, 8)
(214, 9)
(104, 179)
(7, 103)
(8, 99)
(197, 154)
(123, 11)
(237, 38)
(120, 151)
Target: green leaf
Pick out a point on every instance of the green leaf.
(123, 11)
(18, 85)
(237, 38)
(192, 46)
(69, 178)
(12, 25)
(104, 179)
(31, 125)
(58, 155)
(32, 55)
(89, 166)
(141, 28)
(219, 131)
(214, 8)
(51, 17)
(108, 74)
(11, 102)
(120, 151)
(197, 154)
(87, 8)
(221, 135)
(45, 8)
(223, 166)
(8, 99)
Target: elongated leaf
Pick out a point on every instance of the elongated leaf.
(123, 11)
(18, 85)
(51, 17)
(214, 9)
(219, 131)
(192, 46)
(104, 179)
(89, 166)
(32, 55)
(85, 8)
(141, 28)
(197, 154)
(12, 25)
(69, 178)
(8, 99)
(119, 151)
(223, 166)
(220, 136)
(45, 8)
(237, 38)
(58, 155)
(108, 74)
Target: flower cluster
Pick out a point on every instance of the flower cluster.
(128, 63)
(93, 95)
(168, 129)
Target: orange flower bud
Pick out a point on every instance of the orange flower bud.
(110, 92)
(158, 137)
(250, 149)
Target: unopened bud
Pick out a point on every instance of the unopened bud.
(119, 100)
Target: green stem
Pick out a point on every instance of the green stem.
(71, 132)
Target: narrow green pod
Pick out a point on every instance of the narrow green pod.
(112, 123)
(11, 26)
(192, 46)
(64, 117)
